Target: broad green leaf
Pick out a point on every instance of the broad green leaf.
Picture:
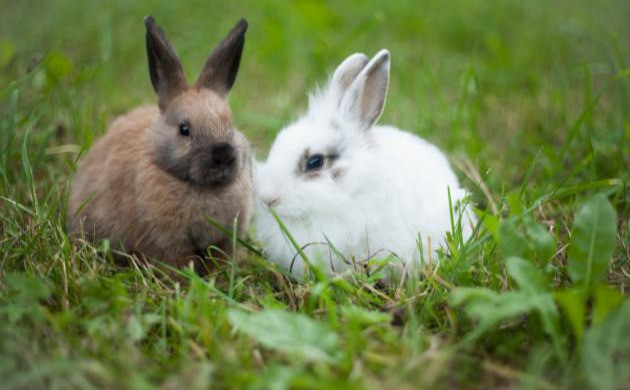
(606, 299)
(294, 334)
(605, 350)
(527, 276)
(511, 241)
(490, 307)
(573, 302)
(593, 241)
(541, 240)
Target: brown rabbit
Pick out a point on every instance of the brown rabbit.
(159, 173)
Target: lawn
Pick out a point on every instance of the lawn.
(531, 101)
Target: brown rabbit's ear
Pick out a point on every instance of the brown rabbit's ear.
(167, 74)
(219, 72)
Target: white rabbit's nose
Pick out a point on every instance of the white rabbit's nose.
(271, 201)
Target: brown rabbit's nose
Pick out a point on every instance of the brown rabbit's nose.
(223, 155)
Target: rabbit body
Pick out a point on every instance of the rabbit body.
(377, 192)
(131, 200)
(153, 181)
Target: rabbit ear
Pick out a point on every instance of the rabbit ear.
(347, 71)
(219, 72)
(365, 98)
(167, 74)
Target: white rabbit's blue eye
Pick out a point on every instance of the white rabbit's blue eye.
(314, 162)
(184, 129)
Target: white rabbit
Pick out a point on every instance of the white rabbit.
(335, 177)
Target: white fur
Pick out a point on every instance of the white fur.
(393, 186)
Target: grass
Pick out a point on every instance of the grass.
(530, 99)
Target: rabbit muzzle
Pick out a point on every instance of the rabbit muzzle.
(216, 165)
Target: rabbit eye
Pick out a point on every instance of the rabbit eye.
(314, 162)
(184, 129)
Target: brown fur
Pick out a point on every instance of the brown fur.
(122, 191)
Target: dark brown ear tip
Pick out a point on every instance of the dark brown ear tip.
(149, 21)
(241, 26)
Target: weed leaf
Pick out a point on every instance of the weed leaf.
(511, 241)
(542, 241)
(526, 275)
(606, 350)
(572, 301)
(491, 307)
(295, 334)
(593, 241)
(606, 299)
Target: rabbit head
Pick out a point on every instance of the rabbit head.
(194, 138)
(309, 165)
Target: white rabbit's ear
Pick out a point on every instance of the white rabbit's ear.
(347, 71)
(365, 98)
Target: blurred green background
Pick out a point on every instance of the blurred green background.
(502, 80)
(530, 99)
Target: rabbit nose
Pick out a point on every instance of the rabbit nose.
(223, 155)
(271, 201)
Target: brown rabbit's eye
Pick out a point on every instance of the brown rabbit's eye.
(184, 129)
